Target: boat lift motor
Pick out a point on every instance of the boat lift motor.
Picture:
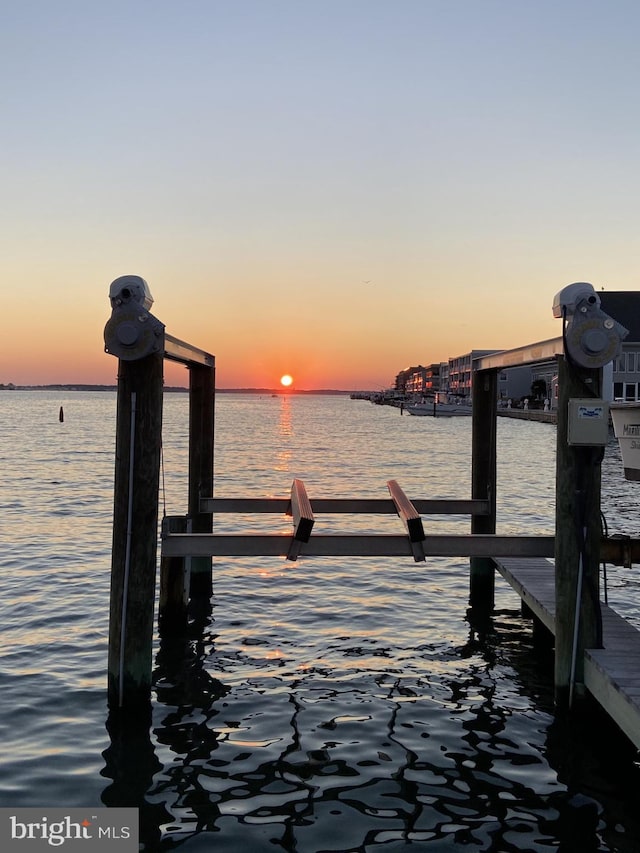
(591, 337)
(130, 288)
(132, 332)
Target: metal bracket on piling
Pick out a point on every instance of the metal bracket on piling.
(410, 518)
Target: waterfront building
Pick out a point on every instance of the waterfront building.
(432, 378)
(461, 371)
(444, 377)
(416, 381)
(419, 381)
(545, 374)
(622, 378)
(400, 384)
(515, 383)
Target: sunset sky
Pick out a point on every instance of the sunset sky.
(331, 189)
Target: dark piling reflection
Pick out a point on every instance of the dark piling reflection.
(439, 745)
(598, 782)
(131, 762)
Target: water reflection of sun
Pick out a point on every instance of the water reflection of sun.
(285, 430)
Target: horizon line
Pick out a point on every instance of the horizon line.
(74, 386)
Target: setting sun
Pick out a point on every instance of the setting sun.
(286, 380)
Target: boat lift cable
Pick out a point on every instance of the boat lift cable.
(605, 534)
(164, 488)
(582, 534)
(127, 557)
(597, 455)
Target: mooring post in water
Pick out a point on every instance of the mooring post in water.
(173, 604)
(483, 482)
(201, 431)
(591, 339)
(137, 339)
(578, 535)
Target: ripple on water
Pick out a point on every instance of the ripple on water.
(379, 750)
(327, 705)
(382, 770)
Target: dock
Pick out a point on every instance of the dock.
(610, 673)
(539, 415)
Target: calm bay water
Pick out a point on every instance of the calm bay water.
(326, 705)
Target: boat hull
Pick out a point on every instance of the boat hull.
(626, 426)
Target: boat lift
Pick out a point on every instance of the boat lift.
(188, 542)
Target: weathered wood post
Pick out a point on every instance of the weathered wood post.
(137, 339)
(578, 534)
(173, 604)
(483, 481)
(591, 339)
(201, 432)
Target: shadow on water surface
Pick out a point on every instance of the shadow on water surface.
(459, 749)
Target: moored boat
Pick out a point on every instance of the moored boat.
(626, 426)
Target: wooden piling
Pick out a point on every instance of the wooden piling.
(135, 532)
(577, 511)
(173, 604)
(201, 432)
(483, 481)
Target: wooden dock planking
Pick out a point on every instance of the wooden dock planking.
(611, 674)
(534, 581)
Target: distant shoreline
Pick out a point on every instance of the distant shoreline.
(172, 389)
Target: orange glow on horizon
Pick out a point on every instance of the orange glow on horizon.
(366, 353)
